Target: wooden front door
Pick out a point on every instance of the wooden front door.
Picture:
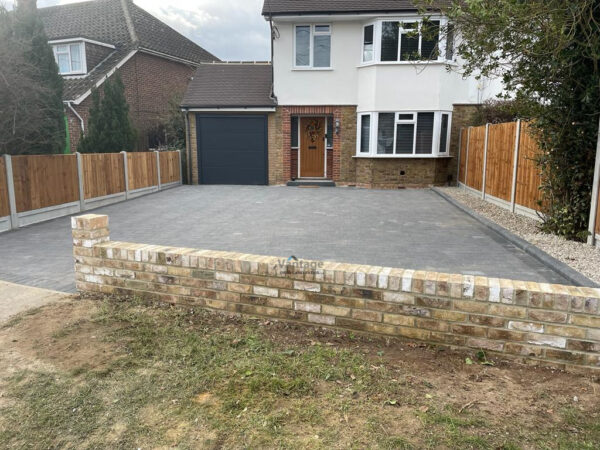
(312, 147)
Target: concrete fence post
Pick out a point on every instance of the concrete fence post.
(126, 170)
(12, 202)
(595, 194)
(485, 152)
(80, 181)
(181, 168)
(467, 158)
(158, 169)
(513, 194)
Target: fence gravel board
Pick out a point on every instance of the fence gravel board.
(142, 168)
(103, 174)
(44, 180)
(169, 167)
(500, 155)
(4, 206)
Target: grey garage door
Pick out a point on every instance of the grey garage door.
(232, 149)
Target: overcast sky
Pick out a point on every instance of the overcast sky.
(232, 30)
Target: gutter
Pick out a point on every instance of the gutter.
(81, 121)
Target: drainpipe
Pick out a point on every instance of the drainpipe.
(70, 106)
(272, 95)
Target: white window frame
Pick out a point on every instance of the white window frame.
(311, 44)
(359, 133)
(362, 56)
(404, 20)
(68, 44)
(435, 145)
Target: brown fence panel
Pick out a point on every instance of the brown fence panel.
(142, 170)
(103, 174)
(169, 167)
(44, 180)
(500, 160)
(464, 135)
(528, 174)
(4, 206)
(475, 163)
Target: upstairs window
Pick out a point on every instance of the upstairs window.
(70, 58)
(368, 43)
(409, 41)
(312, 48)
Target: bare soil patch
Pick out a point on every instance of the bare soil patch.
(102, 373)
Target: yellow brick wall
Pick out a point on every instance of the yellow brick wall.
(542, 323)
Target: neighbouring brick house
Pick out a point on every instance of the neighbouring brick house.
(93, 40)
(352, 97)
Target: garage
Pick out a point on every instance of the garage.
(232, 149)
(228, 108)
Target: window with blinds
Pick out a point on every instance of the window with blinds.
(424, 144)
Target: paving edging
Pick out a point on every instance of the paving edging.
(558, 266)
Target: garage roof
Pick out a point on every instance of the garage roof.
(230, 85)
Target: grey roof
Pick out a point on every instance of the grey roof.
(230, 85)
(106, 21)
(298, 7)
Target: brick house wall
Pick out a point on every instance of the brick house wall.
(342, 165)
(151, 82)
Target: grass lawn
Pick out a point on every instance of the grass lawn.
(108, 373)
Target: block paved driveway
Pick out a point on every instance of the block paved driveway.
(414, 229)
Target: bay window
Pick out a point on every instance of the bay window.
(312, 46)
(406, 41)
(403, 134)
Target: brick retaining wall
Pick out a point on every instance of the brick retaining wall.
(540, 323)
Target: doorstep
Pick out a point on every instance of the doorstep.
(311, 182)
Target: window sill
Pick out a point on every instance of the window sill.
(409, 63)
(402, 156)
(312, 69)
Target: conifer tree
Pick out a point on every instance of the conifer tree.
(109, 127)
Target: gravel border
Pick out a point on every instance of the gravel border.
(577, 258)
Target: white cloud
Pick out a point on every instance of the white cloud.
(230, 29)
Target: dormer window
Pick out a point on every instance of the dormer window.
(70, 58)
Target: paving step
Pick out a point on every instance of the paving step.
(311, 182)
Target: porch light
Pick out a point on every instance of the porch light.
(337, 126)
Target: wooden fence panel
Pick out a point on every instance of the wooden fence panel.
(500, 160)
(103, 174)
(528, 174)
(44, 180)
(475, 162)
(4, 206)
(464, 136)
(169, 167)
(142, 170)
